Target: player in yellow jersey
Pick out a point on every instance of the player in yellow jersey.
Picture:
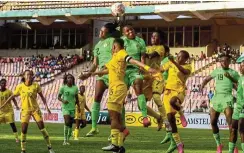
(28, 90)
(7, 112)
(153, 88)
(118, 91)
(80, 118)
(174, 92)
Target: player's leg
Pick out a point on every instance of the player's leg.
(24, 128)
(175, 103)
(25, 117)
(14, 129)
(9, 118)
(168, 109)
(99, 90)
(157, 89)
(117, 135)
(233, 136)
(214, 116)
(241, 130)
(38, 118)
(142, 102)
(232, 121)
(67, 128)
(77, 128)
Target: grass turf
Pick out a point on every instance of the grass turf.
(141, 140)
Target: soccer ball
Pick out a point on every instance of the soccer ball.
(118, 9)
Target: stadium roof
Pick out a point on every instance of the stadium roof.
(79, 12)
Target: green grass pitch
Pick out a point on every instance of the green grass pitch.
(141, 140)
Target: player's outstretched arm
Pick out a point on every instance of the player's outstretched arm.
(8, 100)
(15, 104)
(204, 82)
(91, 70)
(101, 73)
(153, 54)
(140, 64)
(181, 68)
(44, 102)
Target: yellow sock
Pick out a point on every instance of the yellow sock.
(46, 137)
(16, 135)
(152, 113)
(114, 136)
(176, 137)
(23, 141)
(121, 139)
(77, 133)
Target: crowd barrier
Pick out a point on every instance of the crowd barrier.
(195, 121)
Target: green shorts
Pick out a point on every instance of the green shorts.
(131, 74)
(222, 101)
(104, 78)
(68, 112)
(238, 113)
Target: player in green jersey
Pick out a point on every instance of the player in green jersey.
(238, 115)
(68, 95)
(225, 78)
(102, 55)
(136, 48)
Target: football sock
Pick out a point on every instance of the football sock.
(66, 128)
(217, 138)
(231, 147)
(142, 104)
(176, 138)
(242, 147)
(23, 141)
(115, 136)
(121, 139)
(95, 114)
(46, 137)
(77, 133)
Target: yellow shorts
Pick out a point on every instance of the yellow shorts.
(81, 115)
(168, 94)
(26, 115)
(117, 95)
(6, 117)
(151, 86)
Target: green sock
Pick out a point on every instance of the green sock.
(217, 138)
(66, 128)
(242, 147)
(69, 132)
(123, 117)
(95, 114)
(231, 147)
(142, 104)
